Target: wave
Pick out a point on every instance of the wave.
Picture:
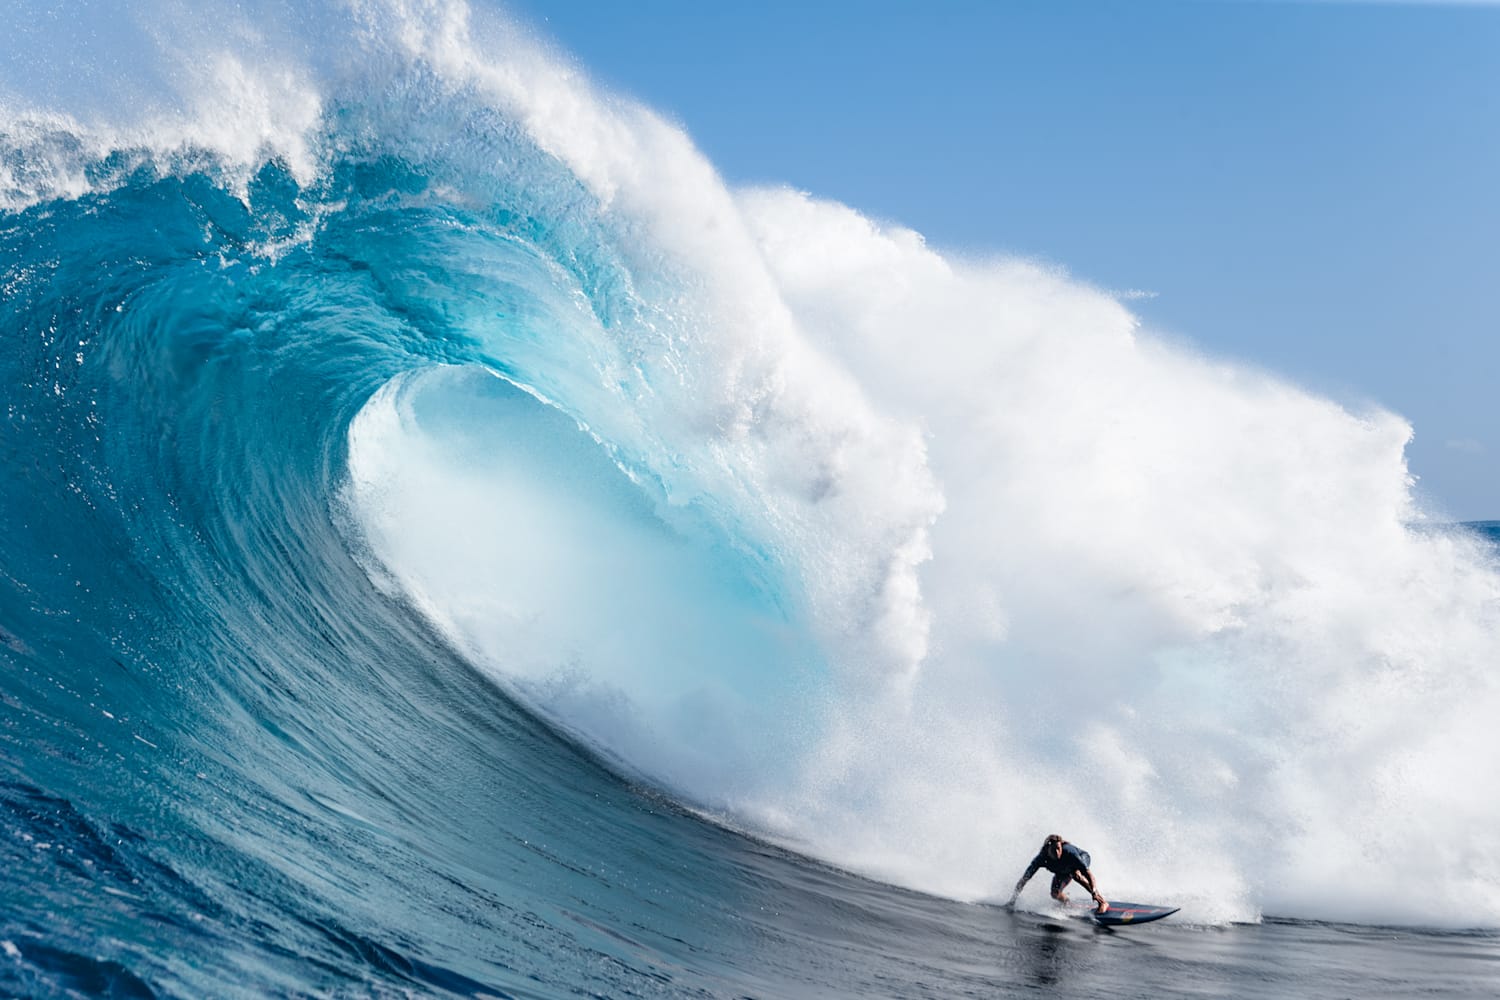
(382, 336)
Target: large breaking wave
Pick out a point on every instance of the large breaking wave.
(326, 330)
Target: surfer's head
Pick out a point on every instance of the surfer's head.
(1052, 846)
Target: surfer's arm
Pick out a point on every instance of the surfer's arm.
(1085, 878)
(1030, 871)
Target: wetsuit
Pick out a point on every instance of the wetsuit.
(1073, 859)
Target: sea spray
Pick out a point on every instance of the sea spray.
(1178, 601)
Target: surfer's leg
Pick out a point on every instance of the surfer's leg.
(1059, 882)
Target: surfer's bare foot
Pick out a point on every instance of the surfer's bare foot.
(1103, 904)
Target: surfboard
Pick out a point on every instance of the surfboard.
(1126, 914)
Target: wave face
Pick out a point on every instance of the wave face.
(433, 494)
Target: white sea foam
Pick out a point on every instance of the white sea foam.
(161, 85)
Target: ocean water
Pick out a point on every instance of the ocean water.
(455, 545)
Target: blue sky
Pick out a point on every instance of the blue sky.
(1309, 187)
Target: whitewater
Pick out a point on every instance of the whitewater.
(456, 544)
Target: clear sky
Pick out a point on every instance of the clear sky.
(1313, 188)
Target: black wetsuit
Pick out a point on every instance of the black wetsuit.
(1073, 859)
(1071, 864)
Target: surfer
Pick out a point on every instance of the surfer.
(1067, 863)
